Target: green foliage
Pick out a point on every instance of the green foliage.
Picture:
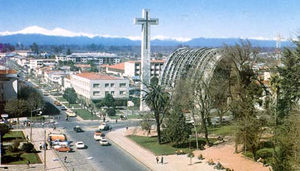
(158, 101)
(27, 147)
(109, 101)
(70, 95)
(146, 123)
(34, 48)
(264, 153)
(3, 129)
(111, 111)
(177, 130)
(16, 108)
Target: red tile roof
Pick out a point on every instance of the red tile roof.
(120, 66)
(97, 76)
(8, 71)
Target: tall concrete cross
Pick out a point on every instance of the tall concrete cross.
(146, 21)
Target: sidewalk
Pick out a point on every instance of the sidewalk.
(53, 162)
(171, 162)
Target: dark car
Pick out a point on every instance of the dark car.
(77, 129)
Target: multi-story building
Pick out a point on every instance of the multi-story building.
(37, 63)
(98, 58)
(95, 86)
(133, 68)
(8, 86)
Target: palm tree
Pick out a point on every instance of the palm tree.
(158, 101)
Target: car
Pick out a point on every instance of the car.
(57, 103)
(98, 135)
(63, 108)
(103, 142)
(46, 94)
(70, 113)
(77, 129)
(63, 149)
(79, 145)
(104, 127)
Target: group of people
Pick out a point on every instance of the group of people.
(161, 160)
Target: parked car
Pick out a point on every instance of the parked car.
(77, 129)
(61, 143)
(103, 142)
(63, 149)
(63, 108)
(57, 103)
(70, 113)
(80, 145)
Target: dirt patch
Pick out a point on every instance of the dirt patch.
(224, 154)
(139, 132)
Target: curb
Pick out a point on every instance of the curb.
(124, 150)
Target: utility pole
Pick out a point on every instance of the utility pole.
(45, 149)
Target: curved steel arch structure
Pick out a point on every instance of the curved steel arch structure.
(202, 60)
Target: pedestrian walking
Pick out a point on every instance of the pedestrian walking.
(65, 159)
(54, 127)
(41, 147)
(116, 120)
(157, 159)
(162, 160)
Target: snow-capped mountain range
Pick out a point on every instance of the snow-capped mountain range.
(62, 36)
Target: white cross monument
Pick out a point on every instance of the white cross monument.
(146, 21)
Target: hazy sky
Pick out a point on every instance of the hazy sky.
(178, 18)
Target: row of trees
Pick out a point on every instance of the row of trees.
(257, 109)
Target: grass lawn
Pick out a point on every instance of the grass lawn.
(223, 130)
(73, 105)
(61, 99)
(13, 135)
(151, 144)
(32, 157)
(84, 114)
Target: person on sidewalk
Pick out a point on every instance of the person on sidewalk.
(162, 160)
(65, 159)
(157, 159)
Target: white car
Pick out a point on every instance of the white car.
(103, 142)
(80, 145)
(98, 137)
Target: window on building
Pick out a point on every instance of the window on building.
(122, 84)
(96, 93)
(112, 92)
(96, 85)
(106, 92)
(106, 84)
(112, 84)
(122, 93)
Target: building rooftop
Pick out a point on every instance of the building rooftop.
(152, 61)
(97, 76)
(120, 66)
(8, 72)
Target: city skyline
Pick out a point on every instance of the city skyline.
(180, 20)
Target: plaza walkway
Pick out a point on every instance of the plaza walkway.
(53, 162)
(171, 162)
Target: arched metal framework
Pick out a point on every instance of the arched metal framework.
(202, 60)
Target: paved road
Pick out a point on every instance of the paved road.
(99, 157)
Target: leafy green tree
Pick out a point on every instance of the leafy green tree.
(70, 95)
(158, 101)
(177, 130)
(146, 123)
(109, 101)
(16, 108)
(3, 129)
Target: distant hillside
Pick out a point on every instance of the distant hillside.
(28, 39)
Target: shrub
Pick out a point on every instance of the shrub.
(27, 147)
(248, 154)
(265, 153)
(111, 111)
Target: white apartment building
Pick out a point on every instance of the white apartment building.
(133, 68)
(98, 58)
(36, 63)
(95, 86)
